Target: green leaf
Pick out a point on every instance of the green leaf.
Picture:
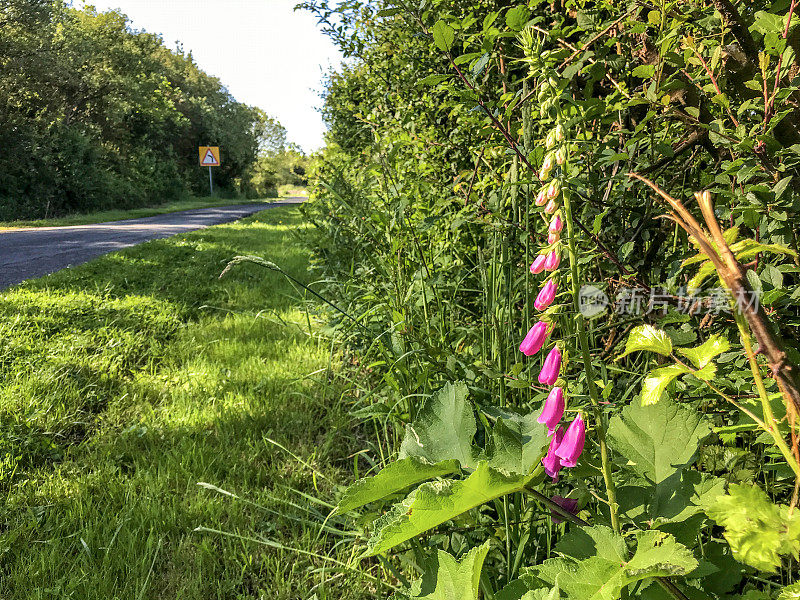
(745, 249)
(657, 440)
(444, 428)
(647, 337)
(596, 564)
(434, 503)
(702, 354)
(517, 18)
(759, 532)
(656, 382)
(518, 443)
(433, 79)
(443, 35)
(644, 71)
(790, 592)
(445, 578)
(395, 477)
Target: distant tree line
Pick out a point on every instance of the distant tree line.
(95, 115)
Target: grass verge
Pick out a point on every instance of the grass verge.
(126, 381)
(134, 213)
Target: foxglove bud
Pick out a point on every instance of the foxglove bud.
(552, 206)
(552, 261)
(541, 197)
(571, 447)
(552, 238)
(549, 373)
(550, 140)
(553, 189)
(537, 266)
(535, 339)
(556, 225)
(561, 155)
(553, 410)
(559, 132)
(546, 295)
(551, 462)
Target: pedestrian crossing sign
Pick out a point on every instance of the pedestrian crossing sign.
(209, 156)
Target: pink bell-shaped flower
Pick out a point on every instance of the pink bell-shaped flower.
(537, 266)
(553, 410)
(553, 189)
(570, 449)
(552, 238)
(552, 206)
(551, 462)
(547, 163)
(546, 295)
(535, 339)
(556, 225)
(550, 369)
(552, 261)
(541, 197)
(568, 504)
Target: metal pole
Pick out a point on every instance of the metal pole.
(210, 181)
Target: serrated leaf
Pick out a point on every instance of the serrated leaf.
(517, 17)
(647, 337)
(395, 477)
(434, 503)
(596, 564)
(790, 592)
(644, 71)
(443, 35)
(657, 440)
(656, 382)
(759, 532)
(702, 354)
(444, 428)
(445, 578)
(518, 443)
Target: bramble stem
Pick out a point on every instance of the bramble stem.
(600, 420)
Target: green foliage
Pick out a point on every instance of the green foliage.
(96, 115)
(760, 533)
(597, 565)
(446, 578)
(647, 337)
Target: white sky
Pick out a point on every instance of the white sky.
(265, 53)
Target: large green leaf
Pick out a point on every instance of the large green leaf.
(444, 428)
(445, 578)
(759, 532)
(518, 443)
(395, 477)
(433, 503)
(647, 337)
(596, 564)
(443, 35)
(657, 440)
(790, 592)
(656, 382)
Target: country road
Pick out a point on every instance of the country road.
(34, 252)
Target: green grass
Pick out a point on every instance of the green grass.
(126, 381)
(134, 213)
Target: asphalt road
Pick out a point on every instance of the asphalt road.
(34, 252)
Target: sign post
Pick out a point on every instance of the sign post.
(209, 157)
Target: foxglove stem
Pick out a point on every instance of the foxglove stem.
(583, 341)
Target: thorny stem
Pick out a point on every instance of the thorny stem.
(587, 365)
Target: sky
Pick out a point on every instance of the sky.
(265, 53)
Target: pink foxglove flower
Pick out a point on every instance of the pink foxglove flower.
(551, 207)
(535, 339)
(568, 504)
(552, 261)
(553, 189)
(546, 295)
(553, 410)
(570, 449)
(549, 374)
(541, 197)
(552, 238)
(561, 156)
(547, 164)
(556, 225)
(537, 266)
(551, 462)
